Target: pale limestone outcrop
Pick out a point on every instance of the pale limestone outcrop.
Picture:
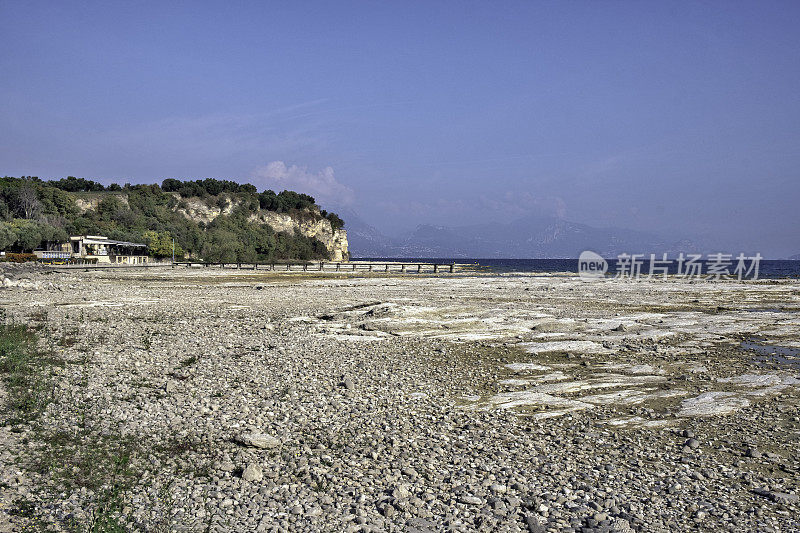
(334, 240)
(85, 203)
(311, 226)
(197, 210)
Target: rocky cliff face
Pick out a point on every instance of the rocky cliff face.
(87, 202)
(334, 240)
(197, 210)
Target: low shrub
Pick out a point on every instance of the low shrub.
(18, 258)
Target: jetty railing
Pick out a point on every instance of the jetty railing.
(328, 266)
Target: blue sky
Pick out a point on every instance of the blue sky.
(677, 118)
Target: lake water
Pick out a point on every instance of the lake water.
(768, 268)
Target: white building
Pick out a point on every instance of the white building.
(99, 249)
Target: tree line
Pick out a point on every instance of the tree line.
(34, 212)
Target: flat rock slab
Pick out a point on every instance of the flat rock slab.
(571, 346)
(258, 440)
(760, 380)
(777, 497)
(509, 400)
(712, 404)
(526, 367)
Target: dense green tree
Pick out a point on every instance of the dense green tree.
(73, 184)
(336, 222)
(8, 235)
(221, 245)
(51, 234)
(28, 233)
(160, 244)
(268, 200)
(24, 200)
(56, 202)
(285, 201)
(171, 185)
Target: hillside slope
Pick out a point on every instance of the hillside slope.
(209, 219)
(309, 224)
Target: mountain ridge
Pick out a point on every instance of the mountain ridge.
(530, 237)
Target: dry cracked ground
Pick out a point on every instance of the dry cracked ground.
(184, 400)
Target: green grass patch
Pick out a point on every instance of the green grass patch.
(24, 371)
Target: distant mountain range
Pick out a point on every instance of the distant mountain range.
(529, 237)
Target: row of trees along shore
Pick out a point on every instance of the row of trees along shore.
(34, 212)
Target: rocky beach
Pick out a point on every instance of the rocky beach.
(227, 400)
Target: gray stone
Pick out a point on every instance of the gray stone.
(253, 473)
(400, 492)
(387, 510)
(621, 526)
(534, 526)
(497, 488)
(226, 465)
(470, 500)
(783, 497)
(753, 453)
(777, 497)
(258, 440)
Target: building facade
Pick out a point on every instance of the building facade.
(99, 249)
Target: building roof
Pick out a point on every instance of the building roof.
(97, 239)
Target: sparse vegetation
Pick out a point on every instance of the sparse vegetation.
(75, 455)
(83, 459)
(24, 373)
(88, 460)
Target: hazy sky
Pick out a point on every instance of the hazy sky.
(678, 118)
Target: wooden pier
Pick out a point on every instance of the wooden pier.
(331, 266)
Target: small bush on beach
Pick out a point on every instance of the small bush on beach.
(18, 258)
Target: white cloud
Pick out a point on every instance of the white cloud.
(321, 185)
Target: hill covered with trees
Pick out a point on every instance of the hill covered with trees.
(34, 212)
